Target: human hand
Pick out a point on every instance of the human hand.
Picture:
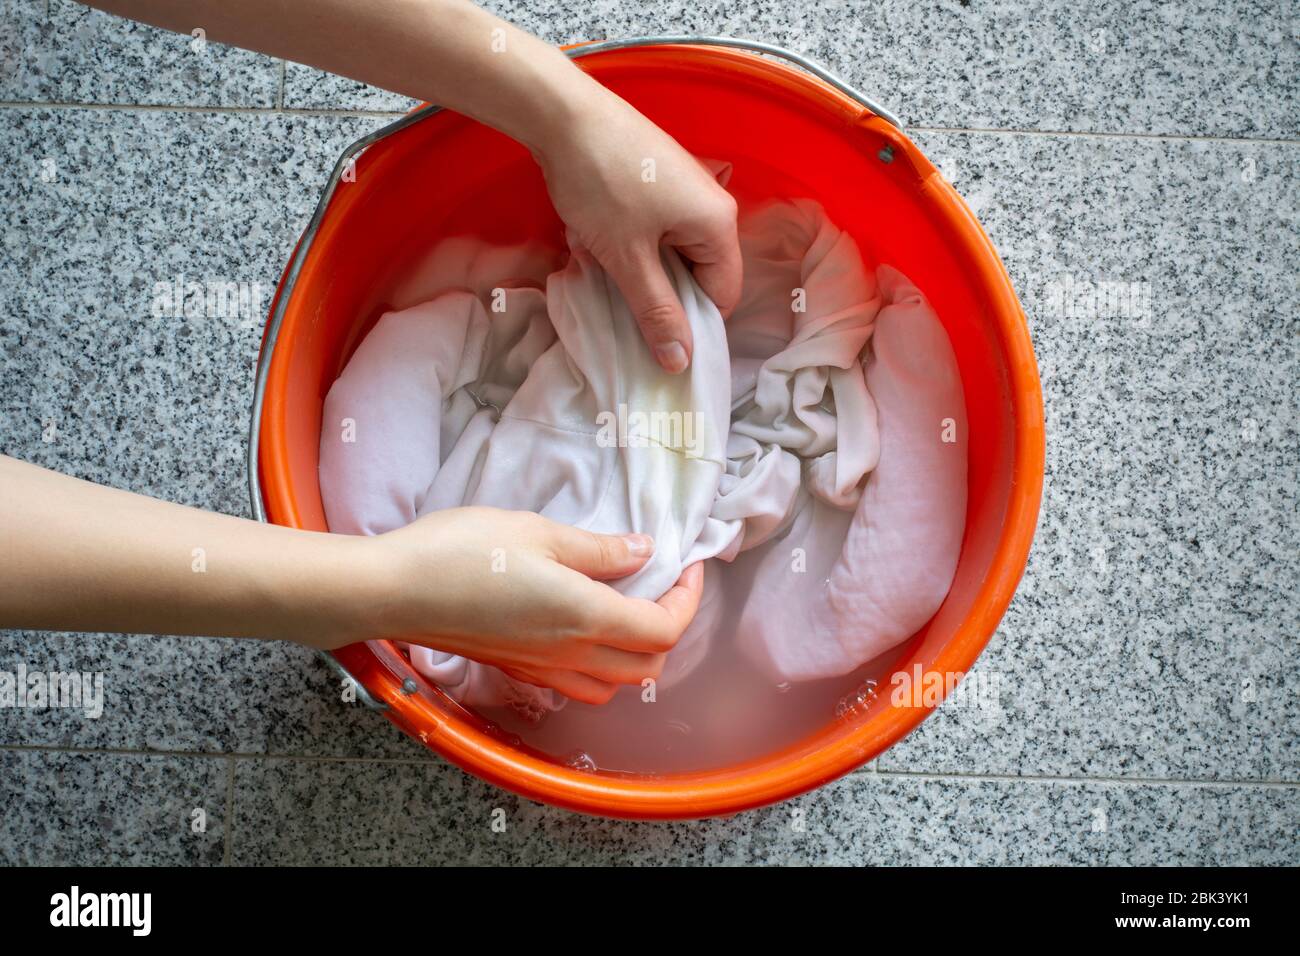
(516, 590)
(593, 163)
(590, 144)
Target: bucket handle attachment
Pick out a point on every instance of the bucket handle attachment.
(410, 119)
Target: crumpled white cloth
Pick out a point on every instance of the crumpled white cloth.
(450, 403)
(872, 538)
(495, 392)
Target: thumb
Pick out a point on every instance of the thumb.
(639, 275)
(599, 556)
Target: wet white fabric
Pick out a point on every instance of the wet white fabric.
(550, 401)
(866, 559)
(536, 406)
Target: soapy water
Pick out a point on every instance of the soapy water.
(856, 701)
(580, 761)
(725, 712)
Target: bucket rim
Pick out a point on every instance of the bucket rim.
(376, 668)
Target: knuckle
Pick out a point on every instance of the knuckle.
(530, 523)
(725, 209)
(607, 552)
(719, 214)
(663, 640)
(587, 622)
(658, 317)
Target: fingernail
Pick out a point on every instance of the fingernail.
(639, 545)
(672, 356)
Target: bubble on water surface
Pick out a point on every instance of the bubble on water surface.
(855, 701)
(581, 761)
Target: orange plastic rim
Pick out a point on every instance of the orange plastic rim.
(788, 134)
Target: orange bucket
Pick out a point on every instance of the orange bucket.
(790, 132)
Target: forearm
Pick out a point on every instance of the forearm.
(80, 557)
(445, 51)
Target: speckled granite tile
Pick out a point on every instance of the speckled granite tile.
(69, 809)
(80, 55)
(299, 812)
(197, 695)
(95, 385)
(102, 206)
(1164, 573)
(1200, 68)
(1155, 631)
(308, 88)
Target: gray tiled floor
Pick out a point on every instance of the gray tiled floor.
(1205, 67)
(1164, 571)
(374, 813)
(112, 808)
(1148, 665)
(75, 54)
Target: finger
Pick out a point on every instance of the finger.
(717, 267)
(598, 556)
(618, 666)
(721, 277)
(637, 624)
(683, 598)
(640, 276)
(712, 244)
(573, 684)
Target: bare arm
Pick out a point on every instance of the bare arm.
(79, 556)
(445, 51)
(589, 142)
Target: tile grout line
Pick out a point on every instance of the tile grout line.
(186, 108)
(1105, 780)
(213, 754)
(432, 760)
(230, 810)
(393, 114)
(1106, 134)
